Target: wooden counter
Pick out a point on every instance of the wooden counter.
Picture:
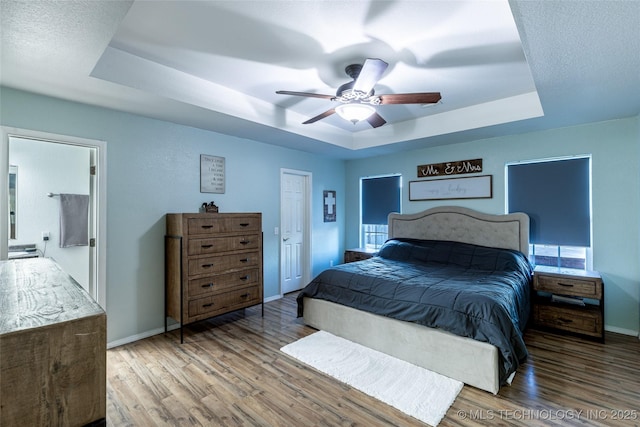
(52, 348)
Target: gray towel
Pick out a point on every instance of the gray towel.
(74, 220)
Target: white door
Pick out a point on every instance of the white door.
(294, 231)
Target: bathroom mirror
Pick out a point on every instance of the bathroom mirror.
(13, 201)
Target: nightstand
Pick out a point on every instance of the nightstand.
(569, 300)
(358, 254)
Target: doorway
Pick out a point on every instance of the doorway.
(295, 226)
(48, 165)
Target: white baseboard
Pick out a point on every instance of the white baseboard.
(157, 331)
(622, 331)
(171, 327)
(141, 336)
(273, 298)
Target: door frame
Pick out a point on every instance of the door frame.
(6, 132)
(306, 244)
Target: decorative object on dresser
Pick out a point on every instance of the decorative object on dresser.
(209, 207)
(213, 265)
(358, 254)
(53, 348)
(569, 300)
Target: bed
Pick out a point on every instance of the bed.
(449, 291)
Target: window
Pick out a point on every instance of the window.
(379, 196)
(556, 194)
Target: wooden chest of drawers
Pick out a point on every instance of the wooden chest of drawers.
(569, 300)
(53, 348)
(213, 264)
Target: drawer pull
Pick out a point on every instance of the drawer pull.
(244, 260)
(208, 285)
(207, 226)
(245, 242)
(563, 320)
(207, 265)
(245, 295)
(244, 224)
(207, 305)
(206, 246)
(245, 277)
(566, 285)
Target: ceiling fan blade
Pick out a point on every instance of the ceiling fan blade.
(319, 116)
(372, 70)
(375, 120)
(308, 94)
(410, 98)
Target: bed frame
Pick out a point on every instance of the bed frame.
(473, 362)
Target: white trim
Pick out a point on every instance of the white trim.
(622, 331)
(141, 336)
(158, 331)
(101, 201)
(273, 298)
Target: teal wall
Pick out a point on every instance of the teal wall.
(153, 168)
(615, 150)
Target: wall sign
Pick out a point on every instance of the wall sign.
(475, 187)
(450, 168)
(212, 176)
(329, 203)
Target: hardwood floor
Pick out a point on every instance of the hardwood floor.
(230, 372)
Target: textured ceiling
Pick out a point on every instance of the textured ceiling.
(502, 67)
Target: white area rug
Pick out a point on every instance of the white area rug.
(423, 394)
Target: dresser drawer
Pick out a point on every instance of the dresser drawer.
(568, 286)
(222, 263)
(210, 306)
(214, 245)
(224, 224)
(222, 282)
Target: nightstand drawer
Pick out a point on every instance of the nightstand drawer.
(352, 255)
(581, 311)
(588, 322)
(568, 286)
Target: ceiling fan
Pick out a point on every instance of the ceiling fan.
(357, 97)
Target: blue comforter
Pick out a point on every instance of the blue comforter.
(472, 291)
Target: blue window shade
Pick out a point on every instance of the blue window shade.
(380, 197)
(556, 196)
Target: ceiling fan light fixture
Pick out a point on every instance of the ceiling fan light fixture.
(355, 112)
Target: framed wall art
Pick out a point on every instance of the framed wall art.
(475, 187)
(329, 205)
(212, 174)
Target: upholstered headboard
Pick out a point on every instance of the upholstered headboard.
(452, 223)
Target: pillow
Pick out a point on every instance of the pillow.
(463, 255)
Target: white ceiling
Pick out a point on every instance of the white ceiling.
(501, 67)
